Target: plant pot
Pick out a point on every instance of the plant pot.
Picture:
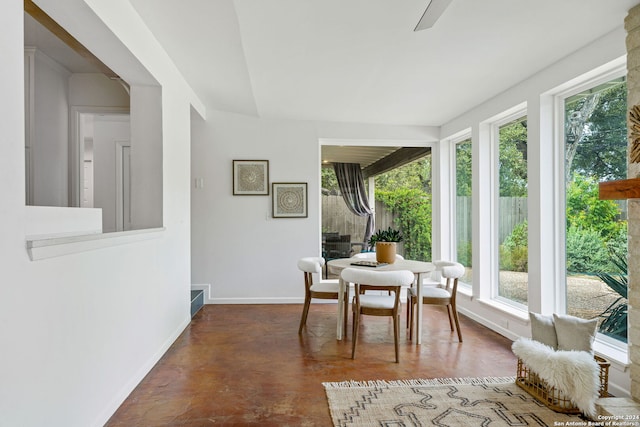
(386, 252)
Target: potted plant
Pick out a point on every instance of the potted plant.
(385, 243)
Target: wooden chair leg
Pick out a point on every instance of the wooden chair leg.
(408, 308)
(354, 333)
(305, 313)
(450, 317)
(455, 316)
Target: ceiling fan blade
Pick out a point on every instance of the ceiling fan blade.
(432, 14)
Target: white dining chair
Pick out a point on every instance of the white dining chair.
(323, 289)
(440, 295)
(376, 305)
(432, 279)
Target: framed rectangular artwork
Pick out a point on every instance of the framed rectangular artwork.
(251, 177)
(289, 199)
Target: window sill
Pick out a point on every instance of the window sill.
(613, 352)
(42, 248)
(514, 312)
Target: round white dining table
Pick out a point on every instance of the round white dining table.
(419, 268)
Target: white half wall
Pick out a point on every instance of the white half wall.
(80, 331)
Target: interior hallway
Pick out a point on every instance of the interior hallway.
(239, 365)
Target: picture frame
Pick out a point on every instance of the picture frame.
(289, 200)
(251, 177)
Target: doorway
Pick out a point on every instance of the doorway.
(100, 166)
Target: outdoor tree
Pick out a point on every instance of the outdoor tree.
(463, 168)
(329, 181)
(415, 175)
(596, 133)
(513, 159)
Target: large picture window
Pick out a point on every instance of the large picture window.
(464, 231)
(512, 211)
(595, 150)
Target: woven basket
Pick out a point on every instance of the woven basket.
(551, 397)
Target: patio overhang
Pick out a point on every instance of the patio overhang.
(373, 160)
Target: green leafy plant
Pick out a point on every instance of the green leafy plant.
(514, 253)
(586, 251)
(388, 235)
(413, 209)
(614, 317)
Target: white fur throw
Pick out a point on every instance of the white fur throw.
(575, 373)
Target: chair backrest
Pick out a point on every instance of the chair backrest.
(377, 281)
(338, 247)
(311, 264)
(377, 278)
(451, 272)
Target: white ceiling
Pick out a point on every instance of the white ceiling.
(360, 61)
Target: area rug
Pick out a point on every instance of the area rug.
(440, 402)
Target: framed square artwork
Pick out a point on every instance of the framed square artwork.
(251, 177)
(289, 199)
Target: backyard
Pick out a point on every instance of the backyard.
(588, 295)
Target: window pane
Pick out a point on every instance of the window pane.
(512, 212)
(596, 230)
(463, 207)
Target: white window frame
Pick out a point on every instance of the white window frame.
(453, 233)
(515, 113)
(599, 76)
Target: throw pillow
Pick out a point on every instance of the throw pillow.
(543, 329)
(575, 333)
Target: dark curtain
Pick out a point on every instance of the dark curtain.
(351, 185)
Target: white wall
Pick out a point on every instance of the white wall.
(244, 254)
(80, 331)
(146, 157)
(106, 133)
(96, 90)
(50, 141)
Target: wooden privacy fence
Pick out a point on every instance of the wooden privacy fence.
(512, 211)
(336, 217)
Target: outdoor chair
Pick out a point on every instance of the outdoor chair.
(440, 295)
(324, 289)
(376, 305)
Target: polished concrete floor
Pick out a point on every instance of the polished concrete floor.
(242, 365)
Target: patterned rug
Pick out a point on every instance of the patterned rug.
(440, 402)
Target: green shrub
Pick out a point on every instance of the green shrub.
(514, 251)
(586, 251)
(413, 207)
(464, 253)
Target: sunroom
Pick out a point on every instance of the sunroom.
(508, 192)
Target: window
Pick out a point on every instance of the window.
(595, 150)
(80, 123)
(512, 211)
(464, 206)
